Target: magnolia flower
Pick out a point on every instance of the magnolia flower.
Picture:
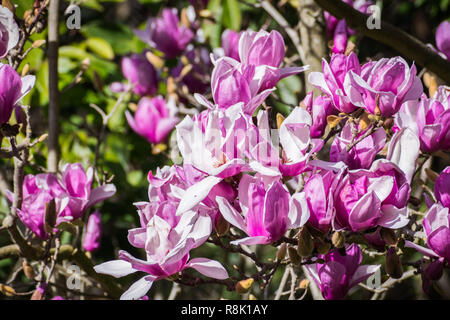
(140, 73)
(231, 84)
(267, 213)
(442, 188)
(296, 142)
(335, 74)
(365, 199)
(429, 119)
(12, 89)
(230, 43)
(154, 119)
(319, 109)
(443, 38)
(92, 237)
(437, 228)
(363, 153)
(168, 186)
(318, 191)
(339, 273)
(251, 79)
(9, 31)
(383, 86)
(72, 195)
(167, 246)
(265, 52)
(166, 34)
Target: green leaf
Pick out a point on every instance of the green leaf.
(232, 16)
(100, 47)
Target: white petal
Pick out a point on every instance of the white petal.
(115, 268)
(209, 268)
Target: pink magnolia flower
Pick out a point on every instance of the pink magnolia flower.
(140, 73)
(252, 79)
(154, 119)
(169, 185)
(265, 52)
(9, 31)
(429, 119)
(231, 84)
(230, 44)
(167, 245)
(437, 228)
(267, 212)
(319, 109)
(365, 199)
(383, 86)
(443, 38)
(442, 188)
(339, 273)
(335, 74)
(363, 153)
(318, 191)
(12, 89)
(214, 141)
(72, 195)
(92, 237)
(295, 138)
(166, 34)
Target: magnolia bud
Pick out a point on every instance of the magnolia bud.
(8, 221)
(252, 297)
(222, 226)
(338, 239)
(305, 245)
(28, 270)
(7, 290)
(244, 286)
(389, 236)
(281, 253)
(50, 215)
(393, 265)
(323, 247)
(293, 255)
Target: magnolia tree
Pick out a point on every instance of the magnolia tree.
(342, 194)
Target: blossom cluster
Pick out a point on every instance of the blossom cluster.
(267, 181)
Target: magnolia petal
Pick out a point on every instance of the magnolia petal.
(209, 268)
(115, 268)
(137, 289)
(196, 193)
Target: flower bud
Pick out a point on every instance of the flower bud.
(93, 233)
(281, 253)
(393, 265)
(7, 290)
(338, 239)
(389, 236)
(303, 284)
(244, 286)
(305, 245)
(28, 270)
(293, 255)
(323, 247)
(222, 226)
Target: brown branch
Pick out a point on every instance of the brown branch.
(392, 36)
